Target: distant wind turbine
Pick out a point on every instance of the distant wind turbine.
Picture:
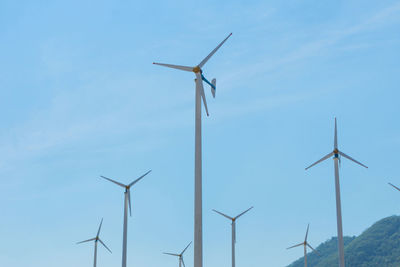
(198, 208)
(96, 239)
(233, 219)
(336, 153)
(127, 202)
(305, 244)
(180, 256)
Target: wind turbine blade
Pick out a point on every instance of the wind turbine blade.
(199, 86)
(98, 231)
(305, 239)
(178, 67)
(111, 180)
(138, 179)
(350, 158)
(183, 262)
(105, 245)
(129, 202)
(243, 212)
(226, 216)
(298, 245)
(86, 241)
(394, 186)
(335, 140)
(324, 158)
(204, 61)
(172, 254)
(186, 248)
(312, 248)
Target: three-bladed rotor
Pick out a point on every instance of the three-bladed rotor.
(336, 153)
(127, 187)
(199, 73)
(97, 238)
(305, 243)
(233, 219)
(179, 255)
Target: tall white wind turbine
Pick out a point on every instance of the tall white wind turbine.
(127, 203)
(305, 244)
(180, 256)
(233, 220)
(96, 239)
(198, 208)
(336, 153)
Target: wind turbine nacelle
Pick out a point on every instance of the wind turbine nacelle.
(214, 87)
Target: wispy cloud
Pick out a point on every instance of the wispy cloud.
(383, 17)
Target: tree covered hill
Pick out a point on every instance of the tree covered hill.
(379, 245)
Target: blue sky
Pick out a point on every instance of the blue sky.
(80, 98)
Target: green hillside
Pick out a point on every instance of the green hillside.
(379, 245)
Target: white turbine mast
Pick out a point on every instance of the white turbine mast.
(199, 96)
(96, 239)
(336, 153)
(180, 256)
(127, 203)
(233, 220)
(305, 244)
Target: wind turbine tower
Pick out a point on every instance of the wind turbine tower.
(233, 220)
(336, 153)
(199, 96)
(127, 203)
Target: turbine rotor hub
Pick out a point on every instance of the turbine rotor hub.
(197, 69)
(336, 152)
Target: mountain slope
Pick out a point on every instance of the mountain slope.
(379, 245)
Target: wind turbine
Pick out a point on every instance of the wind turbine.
(233, 219)
(179, 255)
(198, 208)
(305, 244)
(336, 153)
(127, 202)
(96, 239)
